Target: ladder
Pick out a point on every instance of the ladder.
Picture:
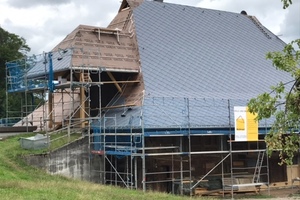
(259, 162)
(85, 77)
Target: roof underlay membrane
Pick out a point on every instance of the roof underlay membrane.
(95, 47)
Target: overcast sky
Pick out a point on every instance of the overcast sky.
(44, 23)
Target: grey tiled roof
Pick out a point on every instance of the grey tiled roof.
(31, 72)
(60, 61)
(198, 64)
(178, 113)
(193, 60)
(194, 52)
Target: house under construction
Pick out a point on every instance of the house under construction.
(154, 93)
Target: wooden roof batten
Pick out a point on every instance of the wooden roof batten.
(105, 69)
(101, 49)
(109, 31)
(112, 49)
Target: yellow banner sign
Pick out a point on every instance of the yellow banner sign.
(246, 127)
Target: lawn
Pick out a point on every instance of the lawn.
(20, 181)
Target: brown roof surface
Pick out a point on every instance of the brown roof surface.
(133, 94)
(102, 47)
(134, 3)
(131, 3)
(114, 48)
(121, 20)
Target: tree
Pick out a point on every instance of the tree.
(286, 3)
(284, 133)
(12, 47)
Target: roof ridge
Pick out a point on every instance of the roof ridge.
(189, 6)
(259, 26)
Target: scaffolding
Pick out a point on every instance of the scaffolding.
(143, 155)
(159, 145)
(16, 81)
(171, 144)
(63, 102)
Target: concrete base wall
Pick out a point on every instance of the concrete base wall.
(75, 161)
(71, 161)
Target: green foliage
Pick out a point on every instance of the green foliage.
(286, 3)
(283, 103)
(283, 136)
(12, 47)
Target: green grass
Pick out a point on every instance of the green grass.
(56, 140)
(60, 139)
(257, 196)
(19, 181)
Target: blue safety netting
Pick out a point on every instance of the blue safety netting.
(18, 73)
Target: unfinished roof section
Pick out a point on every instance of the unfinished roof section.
(123, 20)
(130, 4)
(105, 48)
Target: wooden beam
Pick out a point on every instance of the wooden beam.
(110, 82)
(117, 106)
(114, 81)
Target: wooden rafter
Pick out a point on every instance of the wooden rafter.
(114, 81)
(109, 82)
